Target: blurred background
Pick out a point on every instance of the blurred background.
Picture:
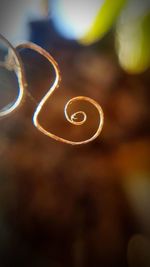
(84, 206)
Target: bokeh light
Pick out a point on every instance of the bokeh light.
(74, 18)
(63, 205)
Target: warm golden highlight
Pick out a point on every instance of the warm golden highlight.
(74, 117)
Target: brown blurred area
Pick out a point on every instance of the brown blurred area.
(77, 206)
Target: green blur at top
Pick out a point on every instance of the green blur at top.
(106, 16)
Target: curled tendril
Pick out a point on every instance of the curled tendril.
(13, 63)
(74, 118)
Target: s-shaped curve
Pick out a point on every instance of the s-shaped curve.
(73, 119)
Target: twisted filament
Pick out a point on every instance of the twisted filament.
(73, 119)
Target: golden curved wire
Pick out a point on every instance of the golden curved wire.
(14, 64)
(73, 118)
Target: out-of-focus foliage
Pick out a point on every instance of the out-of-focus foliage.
(104, 20)
(132, 33)
(89, 21)
(133, 43)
